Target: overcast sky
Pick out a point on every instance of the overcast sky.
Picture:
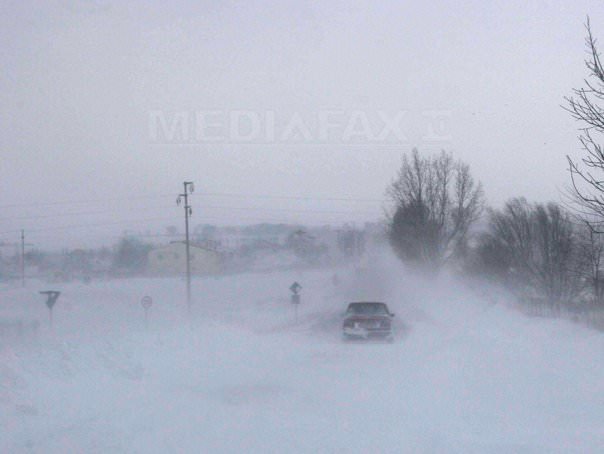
(90, 89)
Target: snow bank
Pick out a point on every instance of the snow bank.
(465, 375)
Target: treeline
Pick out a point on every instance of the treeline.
(126, 258)
(543, 253)
(547, 255)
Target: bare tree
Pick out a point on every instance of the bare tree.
(535, 251)
(586, 176)
(592, 255)
(131, 255)
(435, 200)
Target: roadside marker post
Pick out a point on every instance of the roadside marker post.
(295, 298)
(146, 302)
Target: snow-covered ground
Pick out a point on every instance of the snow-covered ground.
(243, 375)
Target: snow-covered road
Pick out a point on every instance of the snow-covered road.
(467, 375)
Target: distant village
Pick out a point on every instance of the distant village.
(214, 250)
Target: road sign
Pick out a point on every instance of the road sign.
(147, 302)
(51, 299)
(52, 296)
(295, 288)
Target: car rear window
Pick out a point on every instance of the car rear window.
(367, 309)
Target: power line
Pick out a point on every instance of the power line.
(219, 207)
(259, 210)
(79, 213)
(77, 226)
(288, 197)
(82, 202)
(209, 194)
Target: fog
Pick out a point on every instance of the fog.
(287, 123)
(466, 372)
(82, 80)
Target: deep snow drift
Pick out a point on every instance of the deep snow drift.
(466, 373)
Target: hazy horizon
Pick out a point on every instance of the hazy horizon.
(84, 84)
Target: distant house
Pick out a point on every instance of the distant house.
(232, 238)
(171, 259)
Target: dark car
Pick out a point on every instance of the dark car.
(367, 320)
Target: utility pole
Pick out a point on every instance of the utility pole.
(22, 258)
(188, 189)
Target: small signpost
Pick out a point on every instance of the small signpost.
(146, 302)
(295, 289)
(51, 299)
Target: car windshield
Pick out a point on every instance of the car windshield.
(367, 309)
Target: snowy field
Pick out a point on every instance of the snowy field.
(464, 375)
